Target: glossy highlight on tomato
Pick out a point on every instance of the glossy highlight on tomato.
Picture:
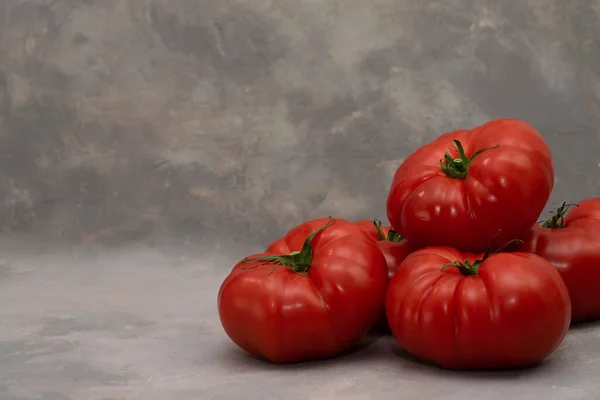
(467, 311)
(465, 186)
(570, 241)
(310, 295)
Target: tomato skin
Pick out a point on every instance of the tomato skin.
(284, 316)
(574, 250)
(514, 312)
(514, 178)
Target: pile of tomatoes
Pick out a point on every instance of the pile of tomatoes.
(465, 277)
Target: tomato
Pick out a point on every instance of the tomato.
(311, 295)
(467, 311)
(571, 242)
(393, 246)
(498, 177)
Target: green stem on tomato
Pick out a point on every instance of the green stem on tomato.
(468, 268)
(392, 235)
(465, 267)
(377, 224)
(297, 261)
(557, 221)
(458, 168)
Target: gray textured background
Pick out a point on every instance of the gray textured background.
(207, 122)
(122, 118)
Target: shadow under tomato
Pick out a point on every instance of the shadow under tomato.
(505, 373)
(356, 353)
(381, 328)
(586, 325)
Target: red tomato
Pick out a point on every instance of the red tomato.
(309, 296)
(499, 311)
(572, 244)
(495, 172)
(393, 246)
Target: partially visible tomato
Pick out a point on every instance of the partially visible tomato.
(572, 244)
(393, 246)
(466, 185)
(311, 295)
(465, 311)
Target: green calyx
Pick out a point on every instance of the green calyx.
(297, 261)
(458, 168)
(468, 268)
(392, 235)
(557, 221)
(465, 267)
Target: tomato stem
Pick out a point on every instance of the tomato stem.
(465, 267)
(505, 245)
(297, 261)
(392, 235)
(468, 268)
(458, 168)
(557, 221)
(377, 224)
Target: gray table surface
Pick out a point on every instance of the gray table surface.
(140, 322)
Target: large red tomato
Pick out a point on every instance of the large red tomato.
(572, 244)
(462, 310)
(311, 295)
(467, 185)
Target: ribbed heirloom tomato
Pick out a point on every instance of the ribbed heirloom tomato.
(571, 242)
(311, 295)
(465, 311)
(497, 176)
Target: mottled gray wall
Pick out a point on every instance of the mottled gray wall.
(120, 119)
